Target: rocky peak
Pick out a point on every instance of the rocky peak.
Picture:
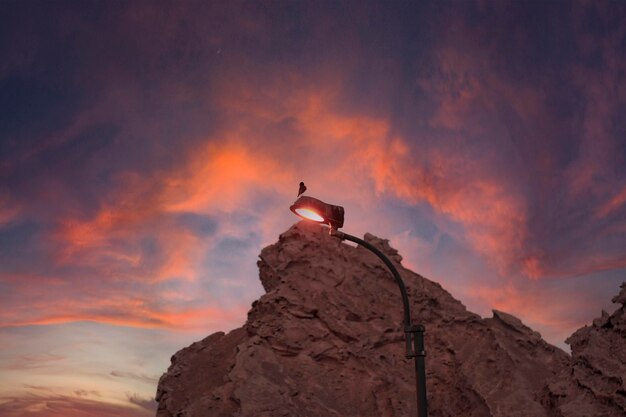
(384, 246)
(514, 324)
(621, 297)
(326, 340)
(594, 384)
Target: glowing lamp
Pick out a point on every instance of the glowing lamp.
(309, 215)
(310, 208)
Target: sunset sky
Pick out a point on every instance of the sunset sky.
(149, 150)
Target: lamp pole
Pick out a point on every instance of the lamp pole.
(414, 333)
(312, 209)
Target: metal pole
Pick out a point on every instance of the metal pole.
(414, 334)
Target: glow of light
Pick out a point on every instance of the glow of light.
(309, 214)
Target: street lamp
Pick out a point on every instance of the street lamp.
(312, 209)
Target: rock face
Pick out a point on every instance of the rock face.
(326, 340)
(595, 382)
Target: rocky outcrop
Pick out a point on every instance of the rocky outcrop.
(595, 382)
(326, 340)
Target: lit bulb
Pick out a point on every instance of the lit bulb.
(309, 214)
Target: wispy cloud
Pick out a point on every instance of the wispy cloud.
(148, 404)
(138, 377)
(53, 405)
(38, 361)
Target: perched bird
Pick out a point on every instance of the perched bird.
(302, 189)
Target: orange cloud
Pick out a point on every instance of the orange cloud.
(229, 173)
(495, 220)
(359, 154)
(123, 310)
(222, 177)
(277, 128)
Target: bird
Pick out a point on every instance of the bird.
(302, 189)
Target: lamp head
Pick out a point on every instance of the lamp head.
(310, 208)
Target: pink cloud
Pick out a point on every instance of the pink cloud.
(122, 310)
(49, 404)
(33, 361)
(8, 209)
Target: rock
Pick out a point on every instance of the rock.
(621, 297)
(197, 370)
(327, 340)
(595, 382)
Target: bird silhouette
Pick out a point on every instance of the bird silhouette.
(302, 189)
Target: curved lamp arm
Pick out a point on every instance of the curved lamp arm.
(392, 268)
(414, 334)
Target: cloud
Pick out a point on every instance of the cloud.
(87, 393)
(136, 312)
(148, 404)
(614, 203)
(138, 377)
(8, 210)
(33, 361)
(55, 405)
(148, 152)
(152, 227)
(127, 208)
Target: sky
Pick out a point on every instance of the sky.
(150, 150)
